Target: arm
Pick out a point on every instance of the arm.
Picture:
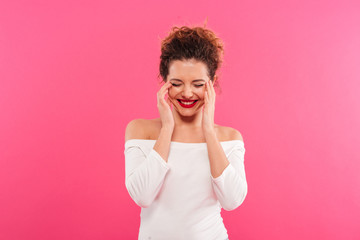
(145, 173)
(227, 174)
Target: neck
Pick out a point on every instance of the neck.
(194, 121)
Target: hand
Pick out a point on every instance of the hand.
(209, 108)
(164, 106)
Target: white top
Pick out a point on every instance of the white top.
(180, 199)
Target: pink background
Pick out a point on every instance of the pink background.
(73, 74)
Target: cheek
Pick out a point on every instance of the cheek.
(172, 92)
(202, 95)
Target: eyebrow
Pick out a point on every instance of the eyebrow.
(196, 80)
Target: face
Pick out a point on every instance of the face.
(187, 78)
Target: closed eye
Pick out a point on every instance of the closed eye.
(176, 85)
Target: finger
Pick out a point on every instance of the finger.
(164, 96)
(165, 86)
(160, 91)
(164, 90)
(168, 101)
(208, 89)
(212, 87)
(211, 83)
(205, 101)
(212, 90)
(206, 97)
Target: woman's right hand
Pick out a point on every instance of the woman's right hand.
(164, 106)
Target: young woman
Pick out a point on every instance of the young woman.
(182, 168)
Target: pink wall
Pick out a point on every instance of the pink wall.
(72, 75)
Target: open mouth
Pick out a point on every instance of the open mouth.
(187, 104)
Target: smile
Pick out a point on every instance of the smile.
(187, 104)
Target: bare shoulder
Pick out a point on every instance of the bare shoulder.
(142, 128)
(137, 129)
(229, 133)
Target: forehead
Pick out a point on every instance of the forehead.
(187, 70)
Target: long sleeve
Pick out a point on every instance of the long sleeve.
(144, 174)
(231, 186)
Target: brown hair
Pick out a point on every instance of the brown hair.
(185, 42)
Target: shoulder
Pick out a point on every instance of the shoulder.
(141, 128)
(229, 133)
(136, 129)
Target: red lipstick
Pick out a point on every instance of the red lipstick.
(187, 105)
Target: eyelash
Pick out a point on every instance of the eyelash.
(176, 85)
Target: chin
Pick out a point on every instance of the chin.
(187, 113)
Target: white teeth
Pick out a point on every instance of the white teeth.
(187, 103)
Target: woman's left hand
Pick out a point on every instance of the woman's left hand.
(209, 108)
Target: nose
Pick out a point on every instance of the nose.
(187, 93)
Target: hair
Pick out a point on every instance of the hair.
(199, 43)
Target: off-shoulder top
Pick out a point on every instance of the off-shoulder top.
(180, 199)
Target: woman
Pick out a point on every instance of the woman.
(182, 168)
